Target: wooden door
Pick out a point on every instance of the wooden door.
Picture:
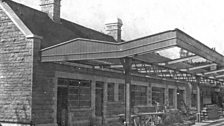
(99, 99)
(180, 99)
(62, 106)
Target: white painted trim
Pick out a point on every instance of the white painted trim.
(34, 36)
(185, 95)
(172, 87)
(93, 97)
(140, 83)
(11, 124)
(174, 95)
(59, 74)
(55, 99)
(116, 92)
(183, 59)
(53, 124)
(78, 122)
(158, 85)
(181, 87)
(17, 21)
(175, 98)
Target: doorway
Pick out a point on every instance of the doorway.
(180, 99)
(62, 106)
(99, 99)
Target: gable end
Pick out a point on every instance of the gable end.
(16, 20)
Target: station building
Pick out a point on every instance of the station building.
(56, 72)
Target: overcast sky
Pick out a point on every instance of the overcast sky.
(202, 19)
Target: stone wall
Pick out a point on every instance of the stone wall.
(15, 73)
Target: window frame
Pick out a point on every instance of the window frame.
(81, 95)
(121, 92)
(110, 92)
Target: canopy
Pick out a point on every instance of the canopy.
(153, 56)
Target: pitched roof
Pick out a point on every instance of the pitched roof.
(53, 33)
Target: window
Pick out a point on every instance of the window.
(138, 95)
(171, 97)
(79, 92)
(158, 96)
(62, 82)
(121, 92)
(193, 100)
(110, 92)
(99, 84)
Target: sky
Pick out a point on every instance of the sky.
(201, 19)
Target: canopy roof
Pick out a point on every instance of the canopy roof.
(152, 55)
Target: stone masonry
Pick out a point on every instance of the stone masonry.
(15, 73)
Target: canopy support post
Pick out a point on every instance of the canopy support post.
(198, 101)
(127, 63)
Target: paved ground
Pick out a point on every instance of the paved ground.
(219, 122)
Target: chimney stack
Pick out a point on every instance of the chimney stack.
(52, 8)
(113, 28)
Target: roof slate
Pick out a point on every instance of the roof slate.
(53, 33)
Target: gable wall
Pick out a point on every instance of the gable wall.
(15, 73)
